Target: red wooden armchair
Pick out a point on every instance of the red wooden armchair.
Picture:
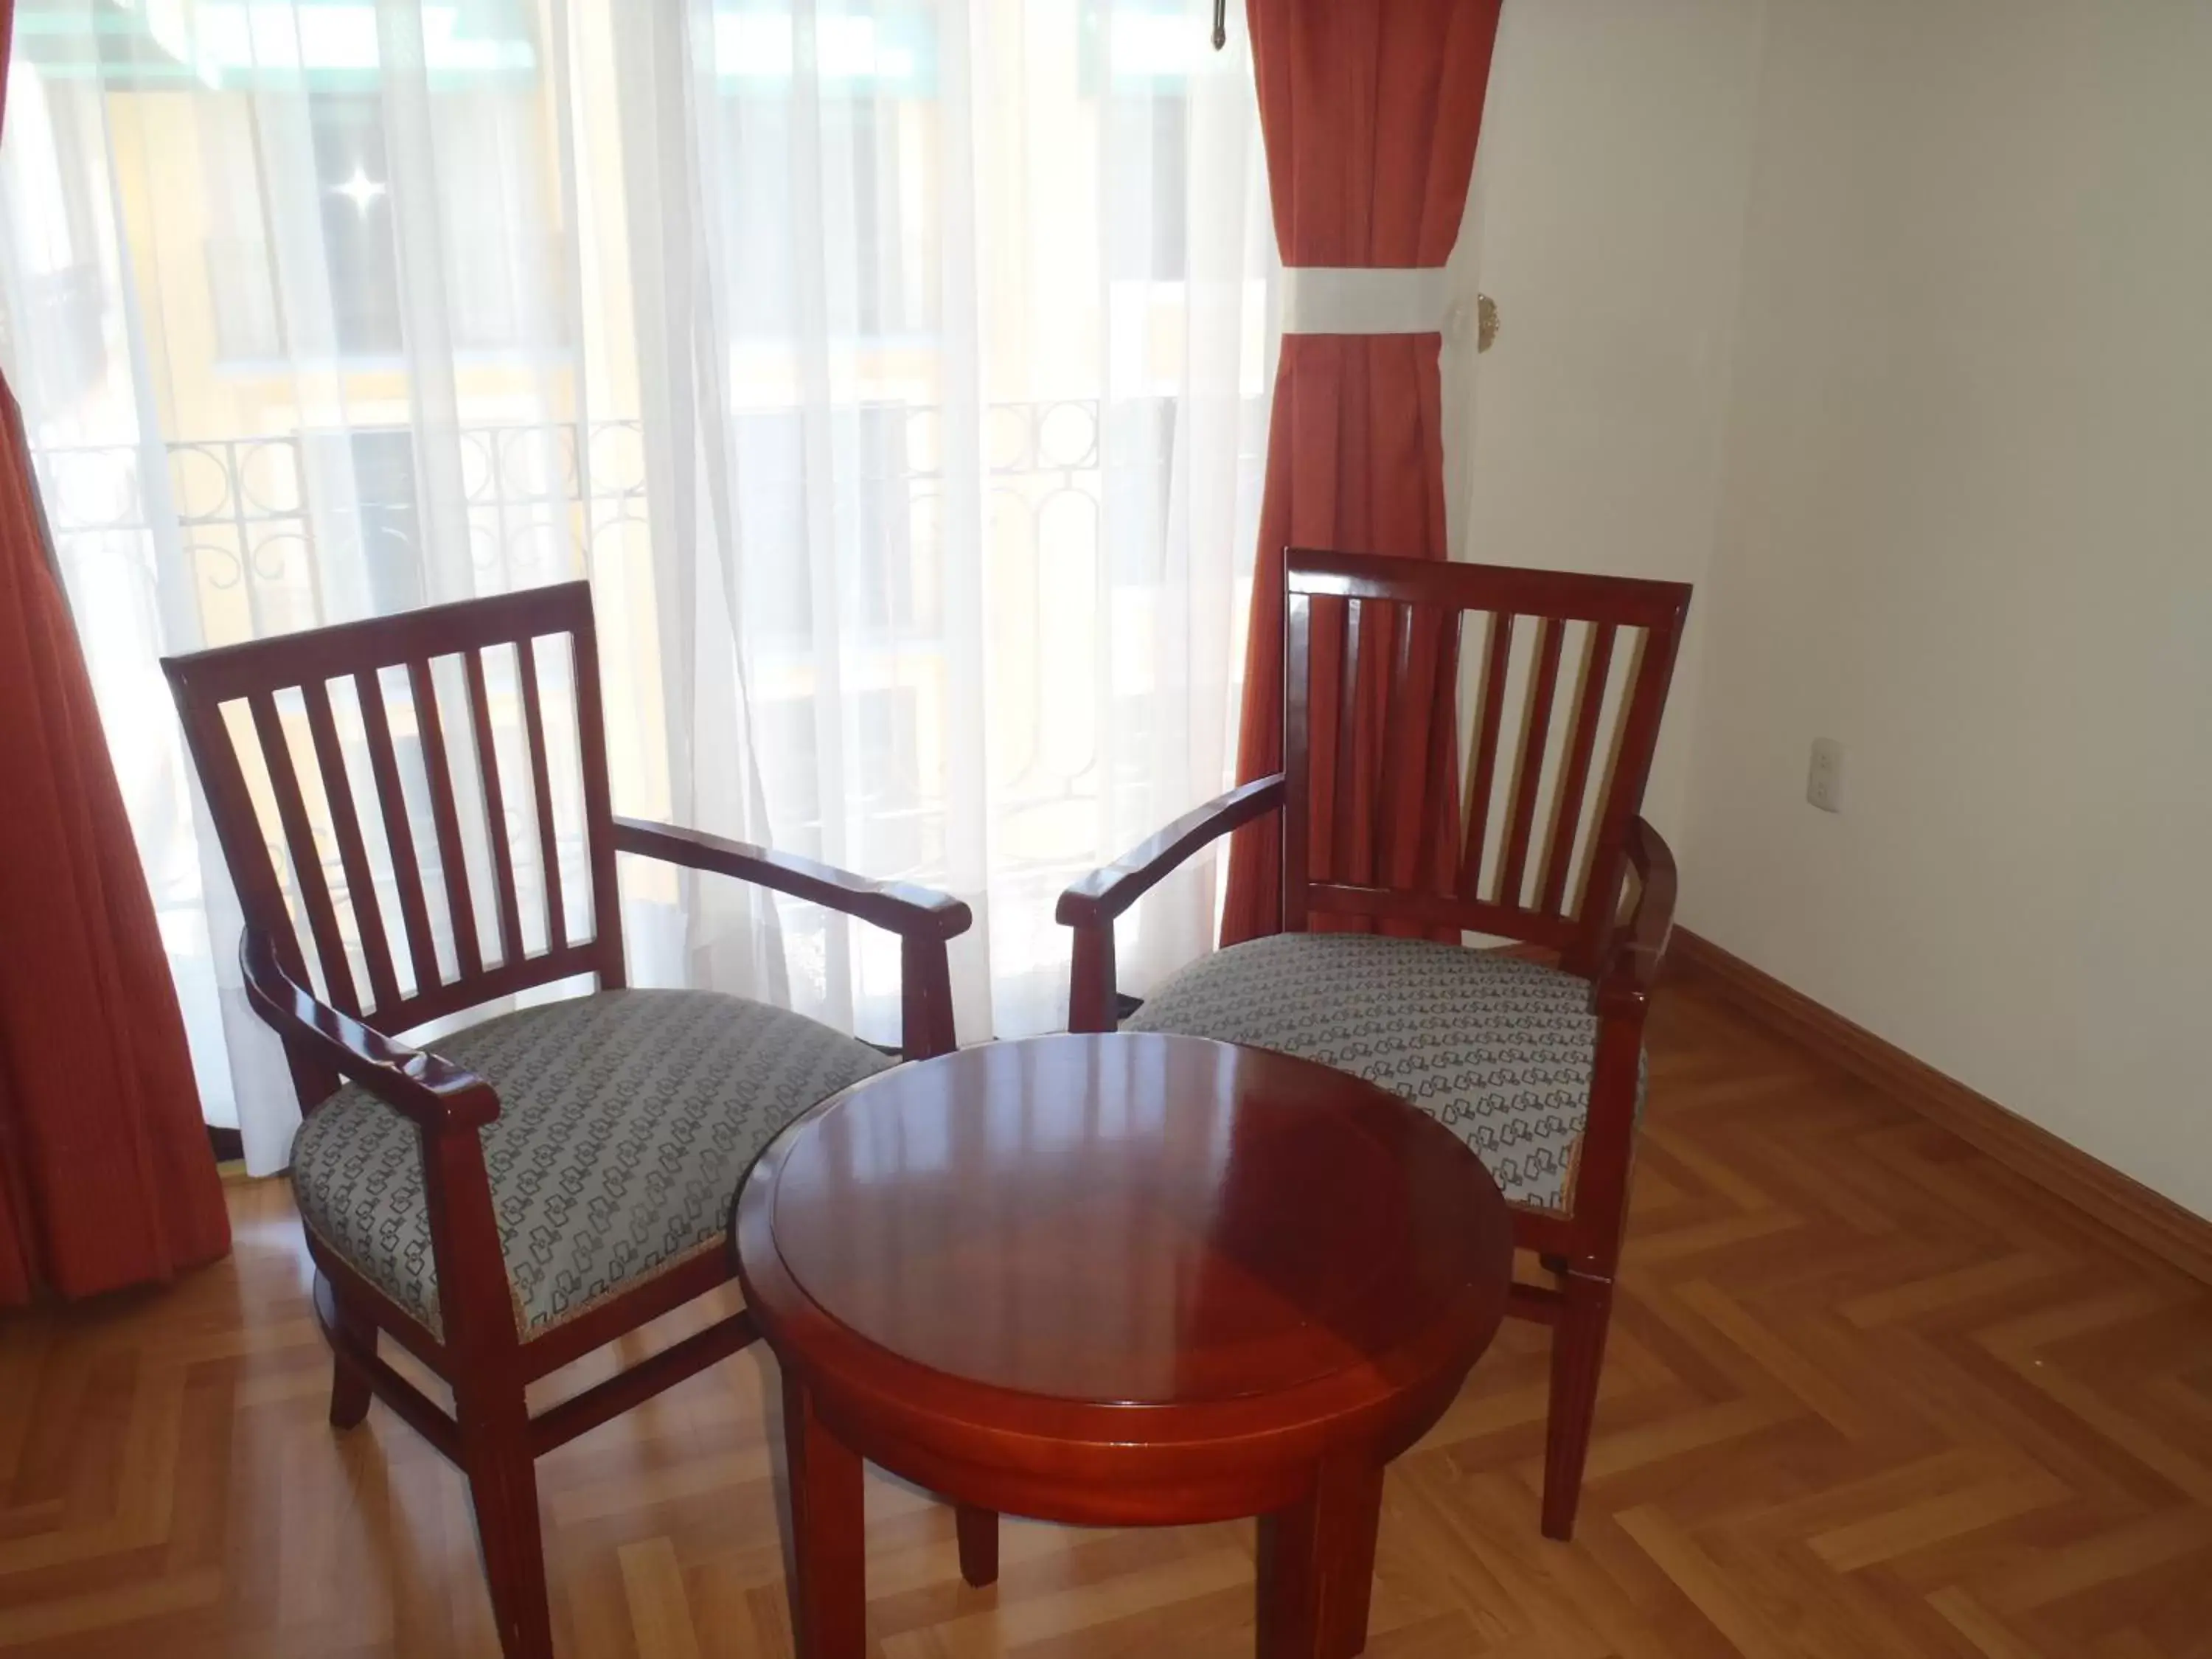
(1539, 1068)
(548, 1179)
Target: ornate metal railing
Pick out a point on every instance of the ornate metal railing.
(253, 536)
(278, 532)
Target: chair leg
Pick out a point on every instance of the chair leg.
(503, 1488)
(1578, 1355)
(978, 1531)
(349, 1392)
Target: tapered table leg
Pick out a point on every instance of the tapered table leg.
(1316, 1565)
(828, 1577)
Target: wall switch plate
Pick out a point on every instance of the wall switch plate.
(1824, 781)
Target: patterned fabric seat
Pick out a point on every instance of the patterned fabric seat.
(1497, 1049)
(627, 1120)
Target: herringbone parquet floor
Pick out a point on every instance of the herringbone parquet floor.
(1868, 1393)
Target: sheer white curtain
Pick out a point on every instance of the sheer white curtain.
(895, 368)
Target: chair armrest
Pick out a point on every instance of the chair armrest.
(1090, 904)
(924, 918)
(1633, 966)
(900, 906)
(432, 1093)
(1109, 890)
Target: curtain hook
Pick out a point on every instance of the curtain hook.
(1220, 24)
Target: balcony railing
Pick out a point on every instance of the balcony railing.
(280, 532)
(285, 530)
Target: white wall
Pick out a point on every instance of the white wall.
(1606, 221)
(1965, 528)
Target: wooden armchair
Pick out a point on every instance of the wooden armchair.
(1539, 1068)
(548, 1179)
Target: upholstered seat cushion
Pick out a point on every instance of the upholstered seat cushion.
(1497, 1049)
(627, 1119)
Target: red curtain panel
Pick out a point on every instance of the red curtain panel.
(1370, 110)
(105, 1175)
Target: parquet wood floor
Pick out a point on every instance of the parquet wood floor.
(1868, 1393)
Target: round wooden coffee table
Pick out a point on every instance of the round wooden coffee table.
(1115, 1280)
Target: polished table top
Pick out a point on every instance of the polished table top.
(1127, 1220)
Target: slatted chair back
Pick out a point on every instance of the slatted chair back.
(1520, 829)
(394, 799)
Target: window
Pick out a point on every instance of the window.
(1154, 124)
(353, 173)
(384, 487)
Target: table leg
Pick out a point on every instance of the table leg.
(828, 1573)
(1317, 1564)
(979, 1544)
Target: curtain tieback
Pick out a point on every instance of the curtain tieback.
(1365, 299)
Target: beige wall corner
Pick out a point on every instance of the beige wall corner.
(1966, 529)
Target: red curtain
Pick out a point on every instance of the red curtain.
(1370, 110)
(105, 1176)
